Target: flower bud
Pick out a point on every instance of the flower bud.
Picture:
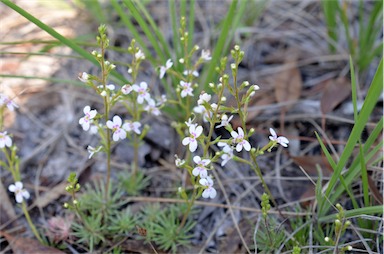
(223, 99)
(129, 70)
(252, 94)
(233, 66)
(75, 202)
(326, 239)
(196, 47)
(255, 87)
(66, 205)
(181, 60)
(237, 47)
(94, 53)
(211, 85)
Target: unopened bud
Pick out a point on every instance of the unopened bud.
(237, 47)
(233, 66)
(130, 70)
(181, 60)
(326, 239)
(223, 99)
(252, 94)
(196, 47)
(211, 85)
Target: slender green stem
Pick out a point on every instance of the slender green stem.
(31, 225)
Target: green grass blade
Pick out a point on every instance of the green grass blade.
(155, 28)
(68, 42)
(330, 8)
(191, 23)
(364, 177)
(372, 210)
(174, 24)
(144, 26)
(218, 51)
(370, 101)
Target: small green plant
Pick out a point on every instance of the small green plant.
(269, 236)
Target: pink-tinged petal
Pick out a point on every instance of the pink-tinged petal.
(239, 147)
(198, 131)
(115, 136)
(19, 198)
(126, 127)
(240, 131)
(25, 194)
(110, 124)
(193, 146)
(203, 173)
(117, 120)
(86, 109)
(246, 145)
(122, 134)
(206, 162)
(203, 182)
(86, 126)
(92, 113)
(8, 141)
(19, 185)
(12, 188)
(283, 140)
(197, 159)
(195, 172)
(143, 85)
(135, 87)
(212, 193)
(140, 99)
(273, 133)
(205, 193)
(234, 134)
(185, 141)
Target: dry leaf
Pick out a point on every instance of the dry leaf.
(335, 92)
(22, 245)
(288, 83)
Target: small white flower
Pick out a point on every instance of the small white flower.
(126, 89)
(20, 193)
(92, 150)
(255, 87)
(227, 153)
(206, 55)
(5, 140)
(139, 55)
(195, 132)
(89, 114)
(280, 140)
(151, 108)
(202, 110)
(142, 92)
(239, 140)
(132, 126)
(200, 169)
(224, 121)
(209, 191)
(189, 72)
(190, 122)
(163, 69)
(110, 87)
(186, 89)
(93, 129)
(103, 93)
(115, 126)
(179, 162)
(83, 77)
(8, 102)
(203, 98)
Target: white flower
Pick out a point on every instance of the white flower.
(202, 110)
(20, 193)
(189, 123)
(189, 72)
(239, 139)
(179, 162)
(224, 121)
(209, 191)
(151, 108)
(139, 55)
(126, 89)
(195, 132)
(280, 140)
(186, 89)
(132, 126)
(200, 169)
(83, 77)
(206, 55)
(227, 153)
(92, 150)
(110, 87)
(93, 130)
(8, 102)
(163, 69)
(88, 116)
(115, 126)
(5, 140)
(203, 98)
(142, 92)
